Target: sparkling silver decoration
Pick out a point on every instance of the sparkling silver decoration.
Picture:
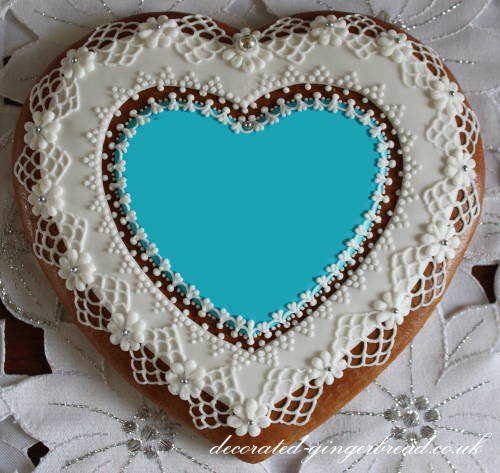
(248, 126)
(38, 129)
(432, 415)
(247, 42)
(74, 269)
(411, 416)
(42, 199)
(149, 433)
(129, 426)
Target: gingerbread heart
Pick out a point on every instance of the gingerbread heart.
(249, 225)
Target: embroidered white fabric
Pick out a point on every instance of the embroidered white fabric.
(455, 355)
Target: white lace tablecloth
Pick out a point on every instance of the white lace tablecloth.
(91, 421)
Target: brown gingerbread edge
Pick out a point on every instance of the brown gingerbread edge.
(334, 397)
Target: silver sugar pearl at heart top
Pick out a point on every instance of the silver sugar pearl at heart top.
(247, 42)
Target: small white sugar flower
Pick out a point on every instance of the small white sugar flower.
(45, 199)
(249, 418)
(77, 269)
(325, 368)
(186, 379)
(394, 45)
(460, 168)
(329, 30)
(159, 31)
(446, 96)
(392, 308)
(42, 130)
(127, 330)
(247, 53)
(78, 62)
(441, 240)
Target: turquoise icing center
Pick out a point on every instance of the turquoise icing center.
(251, 219)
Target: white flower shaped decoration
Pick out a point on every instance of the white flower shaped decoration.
(127, 330)
(158, 32)
(77, 269)
(442, 241)
(325, 367)
(42, 130)
(186, 379)
(247, 52)
(460, 168)
(392, 308)
(78, 62)
(446, 96)
(249, 418)
(45, 199)
(329, 30)
(394, 45)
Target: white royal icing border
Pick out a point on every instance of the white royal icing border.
(253, 381)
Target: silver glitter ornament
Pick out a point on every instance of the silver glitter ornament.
(248, 126)
(129, 426)
(421, 403)
(412, 438)
(398, 432)
(427, 431)
(149, 433)
(134, 446)
(392, 414)
(403, 400)
(247, 42)
(410, 418)
(432, 415)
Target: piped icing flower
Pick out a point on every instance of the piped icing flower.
(78, 62)
(329, 30)
(325, 367)
(159, 31)
(441, 240)
(249, 418)
(45, 199)
(77, 269)
(185, 379)
(127, 330)
(42, 130)
(460, 167)
(247, 52)
(391, 308)
(394, 45)
(445, 95)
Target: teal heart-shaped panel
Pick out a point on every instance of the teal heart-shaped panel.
(251, 219)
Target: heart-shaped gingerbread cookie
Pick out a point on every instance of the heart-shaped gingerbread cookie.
(249, 224)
